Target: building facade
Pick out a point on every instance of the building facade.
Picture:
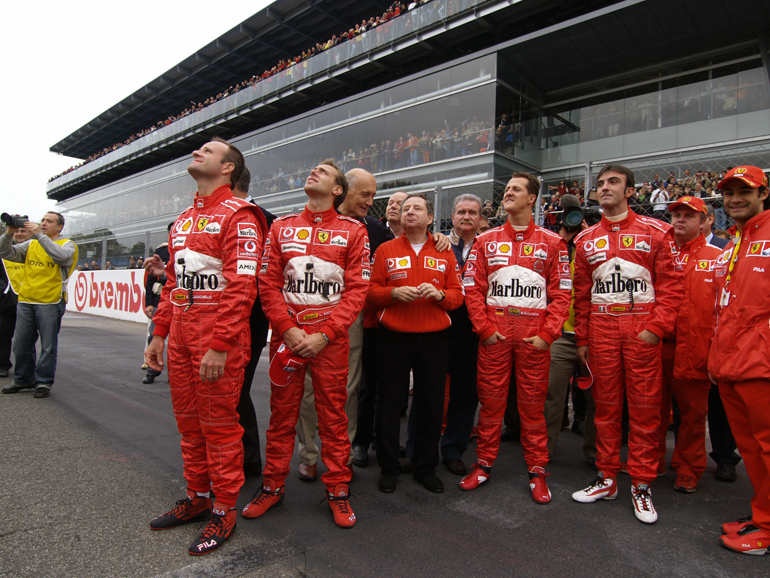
(558, 101)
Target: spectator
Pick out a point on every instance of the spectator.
(132, 263)
(49, 260)
(11, 277)
(685, 377)
(413, 284)
(463, 345)
(488, 211)
(152, 287)
(659, 200)
(565, 365)
(393, 213)
(108, 266)
(258, 327)
(711, 238)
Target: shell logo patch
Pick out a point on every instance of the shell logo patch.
(595, 245)
(185, 226)
(504, 249)
(399, 263)
(296, 234)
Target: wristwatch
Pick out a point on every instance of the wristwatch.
(326, 337)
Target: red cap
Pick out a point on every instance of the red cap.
(752, 176)
(283, 365)
(586, 381)
(695, 203)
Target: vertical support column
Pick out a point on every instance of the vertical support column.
(539, 201)
(764, 49)
(146, 245)
(437, 209)
(104, 253)
(588, 179)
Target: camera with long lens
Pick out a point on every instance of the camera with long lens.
(15, 221)
(573, 217)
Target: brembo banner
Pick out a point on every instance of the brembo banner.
(116, 294)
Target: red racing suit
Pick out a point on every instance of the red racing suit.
(314, 276)
(517, 283)
(685, 354)
(626, 281)
(214, 249)
(739, 358)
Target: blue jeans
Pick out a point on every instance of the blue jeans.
(31, 321)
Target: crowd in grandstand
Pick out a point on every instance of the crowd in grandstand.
(469, 137)
(377, 23)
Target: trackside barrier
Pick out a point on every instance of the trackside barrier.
(115, 294)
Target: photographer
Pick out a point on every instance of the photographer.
(10, 285)
(48, 262)
(152, 288)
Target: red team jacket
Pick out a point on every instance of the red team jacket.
(397, 265)
(741, 348)
(696, 318)
(523, 271)
(315, 270)
(627, 267)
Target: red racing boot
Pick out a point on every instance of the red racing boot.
(747, 540)
(267, 497)
(480, 472)
(220, 528)
(192, 509)
(339, 504)
(737, 526)
(540, 492)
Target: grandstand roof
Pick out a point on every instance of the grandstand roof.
(282, 30)
(461, 34)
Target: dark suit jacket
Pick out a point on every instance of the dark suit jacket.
(718, 242)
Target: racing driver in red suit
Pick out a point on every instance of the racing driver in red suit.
(518, 291)
(739, 359)
(204, 308)
(627, 292)
(313, 281)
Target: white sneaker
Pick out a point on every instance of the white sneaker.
(600, 489)
(643, 508)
